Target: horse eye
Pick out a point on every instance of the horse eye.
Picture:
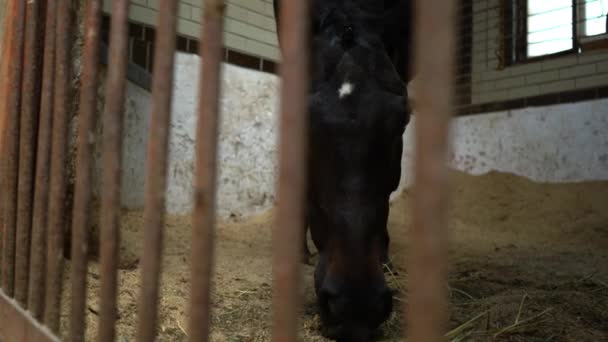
(325, 20)
(348, 35)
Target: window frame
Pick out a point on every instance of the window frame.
(581, 24)
(590, 42)
(515, 20)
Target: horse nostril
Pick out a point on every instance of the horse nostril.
(326, 295)
(334, 303)
(327, 292)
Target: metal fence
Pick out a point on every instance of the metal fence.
(35, 106)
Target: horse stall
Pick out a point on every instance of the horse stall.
(154, 172)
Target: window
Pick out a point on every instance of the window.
(549, 27)
(596, 18)
(546, 27)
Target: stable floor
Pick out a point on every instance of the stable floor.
(528, 262)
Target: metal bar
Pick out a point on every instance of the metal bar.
(11, 159)
(41, 193)
(112, 158)
(5, 22)
(19, 325)
(57, 197)
(82, 191)
(7, 7)
(203, 225)
(30, 103)
(287, 233)
(434, 54)
(162, 89)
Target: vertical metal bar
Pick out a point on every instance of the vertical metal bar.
(5, 28)
(27, 146)
(41, 193)
(82, 191)
(434, 62)
(7, 7)
(112, 158)
(11, 159)
(203, 226)
(289, 226)
(57, 197)
(162, 88)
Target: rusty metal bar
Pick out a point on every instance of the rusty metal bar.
(203, 226)
(11, 158)
(41, 193)
(5, 44)
(427, 310)
(19, 325)
(82, 191)
(287, 233)
(57, 196)
(158, 141)
(112, 158)
(30, 98)
(6, 28)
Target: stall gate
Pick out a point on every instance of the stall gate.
(35, 107)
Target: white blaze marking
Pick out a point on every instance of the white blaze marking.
(346, 89)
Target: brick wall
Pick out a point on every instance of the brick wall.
(493, 83)
(249, 25)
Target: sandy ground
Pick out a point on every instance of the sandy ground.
(529, 262)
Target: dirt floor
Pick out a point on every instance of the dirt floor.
(529, 262)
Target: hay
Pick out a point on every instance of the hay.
(533, 276)
(461, 331)
(518, 324)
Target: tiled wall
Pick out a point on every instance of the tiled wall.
(141, 52)
(249, 25)
(573, 72)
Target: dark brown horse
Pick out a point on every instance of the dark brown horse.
(359, 54)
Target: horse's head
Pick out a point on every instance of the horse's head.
(358, 113)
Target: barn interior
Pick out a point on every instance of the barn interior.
(528, 219)
(528, 213)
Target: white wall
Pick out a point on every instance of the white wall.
(247, 140)
(559, 143)
(562, 143)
